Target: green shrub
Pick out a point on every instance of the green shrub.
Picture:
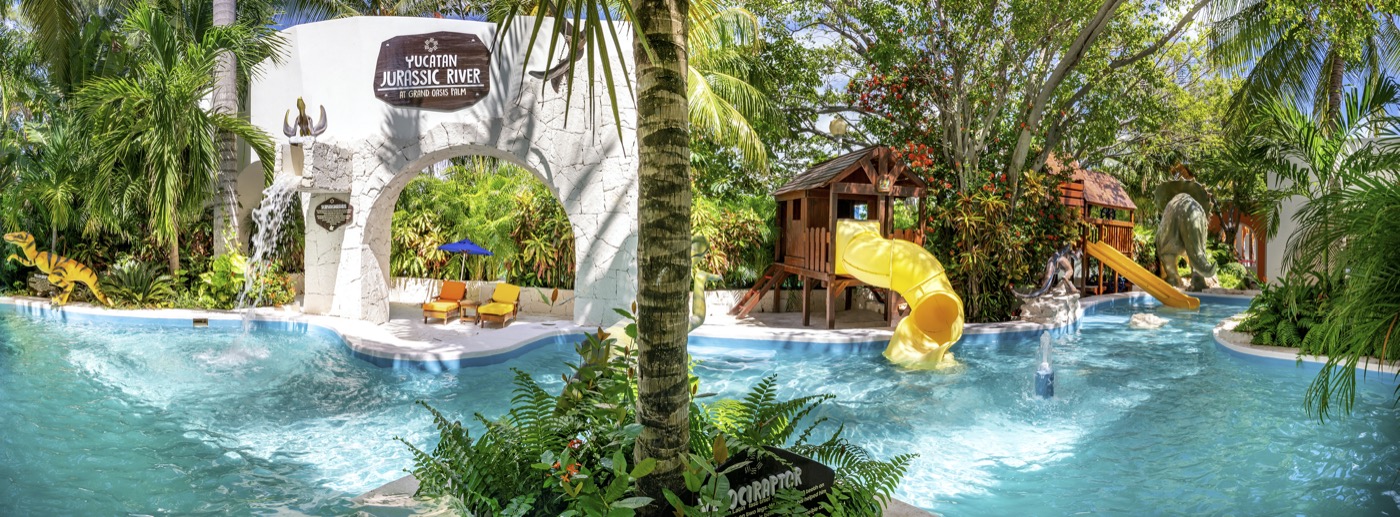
(1236, 276)
(985, 245)
(567, 453)
(740, 233)
(130, 283)
(220, 286)
(1283, 314)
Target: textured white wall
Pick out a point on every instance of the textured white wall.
(371, 150)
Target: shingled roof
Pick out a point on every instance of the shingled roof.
(823, 172)
(1100, 189)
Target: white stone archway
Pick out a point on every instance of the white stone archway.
(370, 150)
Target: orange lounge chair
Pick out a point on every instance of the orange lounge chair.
(503, 307)
(448, 302)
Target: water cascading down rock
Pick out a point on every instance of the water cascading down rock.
(269, 217)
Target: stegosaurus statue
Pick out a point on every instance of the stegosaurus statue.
(64, 273)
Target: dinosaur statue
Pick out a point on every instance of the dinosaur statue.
(65, 273)
(1183, 231)
(1061, 266)
(699, 248)
(302, 127)
(555, 75)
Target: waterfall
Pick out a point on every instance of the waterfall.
(269, 217)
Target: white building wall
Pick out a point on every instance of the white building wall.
(371, 150)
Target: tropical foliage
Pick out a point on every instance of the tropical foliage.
(1284, 313)
(986, 244)
(134, 284)
(499, 206)
(566, 453)
(1344, 168)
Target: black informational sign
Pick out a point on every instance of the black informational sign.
(437, 70)
(753, 486)
(333, 213)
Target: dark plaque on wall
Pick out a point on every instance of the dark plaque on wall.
(437, 70)
(333, 213)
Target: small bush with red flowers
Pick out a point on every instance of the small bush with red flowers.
(986, 245)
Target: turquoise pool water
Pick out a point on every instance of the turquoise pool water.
(102, 419)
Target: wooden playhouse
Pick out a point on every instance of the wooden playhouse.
(1108, 214)
(861, 185)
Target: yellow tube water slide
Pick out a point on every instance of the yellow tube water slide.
(935, 320)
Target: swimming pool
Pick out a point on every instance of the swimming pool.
(103, 419)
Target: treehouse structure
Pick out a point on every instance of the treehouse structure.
(861, 185)
(1108, 213)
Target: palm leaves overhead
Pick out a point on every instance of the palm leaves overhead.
(723, 104)
(1304, 52)
(1315, 158)
(157, 144)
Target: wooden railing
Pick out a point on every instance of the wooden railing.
(911, 234)
(818, 249)
(1118, 234)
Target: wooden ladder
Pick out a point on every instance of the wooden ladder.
(772, 278)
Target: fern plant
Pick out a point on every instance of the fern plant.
(131, 283)
(1283, 314)
(863, 484)
(567, 453)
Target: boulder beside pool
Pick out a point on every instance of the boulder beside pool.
(1146, 321)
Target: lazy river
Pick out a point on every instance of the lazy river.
(118, 419)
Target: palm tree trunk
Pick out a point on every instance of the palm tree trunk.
(172, 255)
(1334, 88)
(226, 222)
(663, 141)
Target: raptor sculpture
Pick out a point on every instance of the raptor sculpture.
(302, 127)
(1183, 231)
(64, 273)
(1060, 267)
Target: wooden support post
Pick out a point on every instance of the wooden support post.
(830, 302)
(806, 302)
(923, 226)
(778, 297)
(891, 307)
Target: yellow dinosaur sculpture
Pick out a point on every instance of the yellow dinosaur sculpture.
(63, 272)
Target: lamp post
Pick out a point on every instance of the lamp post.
(838, 126)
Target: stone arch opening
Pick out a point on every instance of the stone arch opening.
(504, 180)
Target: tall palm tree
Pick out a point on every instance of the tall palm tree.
(1306, 57)
(1313, 156)
(157, 144)
(661, 29)
(53, 185)
(226, 223)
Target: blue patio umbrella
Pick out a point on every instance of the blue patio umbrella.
(465, 246)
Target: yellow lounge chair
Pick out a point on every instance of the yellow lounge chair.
(448, 302)
(504, 305)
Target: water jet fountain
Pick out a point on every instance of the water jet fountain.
(1045, 373)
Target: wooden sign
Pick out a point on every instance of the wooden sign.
(437, 70)
(753, 486)
(333, 213)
